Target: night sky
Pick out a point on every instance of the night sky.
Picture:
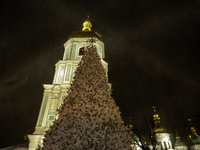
(152, 47)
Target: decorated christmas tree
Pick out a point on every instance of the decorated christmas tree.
(88, 119)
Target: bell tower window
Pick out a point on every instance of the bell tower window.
(82, 51)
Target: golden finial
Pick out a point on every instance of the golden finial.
(130, 119)
(26, 137)
(145, 142)
(130, 125)
(156, 117)
(177, 136)
(87, 25)
(192, 129)
(154, 108)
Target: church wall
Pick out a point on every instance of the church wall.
(181, 148)
(195, 147)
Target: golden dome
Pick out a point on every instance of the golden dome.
(86, 32)
(87, 25)
(160, 129)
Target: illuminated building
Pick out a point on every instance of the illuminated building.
(161, 135)
(194, 138)
(54, 93)
(162, 138)
(179, 145)
(136, 144)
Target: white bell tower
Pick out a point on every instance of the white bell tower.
(163, 140)
(54, 93)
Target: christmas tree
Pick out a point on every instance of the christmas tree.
(88, 119)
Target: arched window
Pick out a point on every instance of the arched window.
(82, 51)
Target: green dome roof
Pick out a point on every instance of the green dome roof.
(83, 34)
(195, 138)
(134, 136)
(179, 143)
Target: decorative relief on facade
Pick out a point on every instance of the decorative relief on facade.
(51, 117)
(48, 93)
(43, 111)
(99, 50)
(70, 51)
(68, 72)
(67, 52)
(33, 145)
(74, 51)
(73, 73)
(62, 99)
(56, 95)
(55, 75)
(56, 105)
(53, 104)
(52, 111)
(60, 74)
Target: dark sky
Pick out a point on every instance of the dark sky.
(152, 47)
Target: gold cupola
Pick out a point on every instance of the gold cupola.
(178, 142)
(194, 137)
(86, 31)
(87, 25)
(156, 117)
(158, 127)
(192, 129)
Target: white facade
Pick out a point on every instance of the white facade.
(157, 147)
(54, 93)
(181, 148)
(135, 146)
(195, 147)
(164, 140)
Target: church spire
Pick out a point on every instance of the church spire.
(177, 136)
(179, 144)
(156, 117)
(157, 125)
(87, 25)
(130, 123)
(192, 129)
(194, 137)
